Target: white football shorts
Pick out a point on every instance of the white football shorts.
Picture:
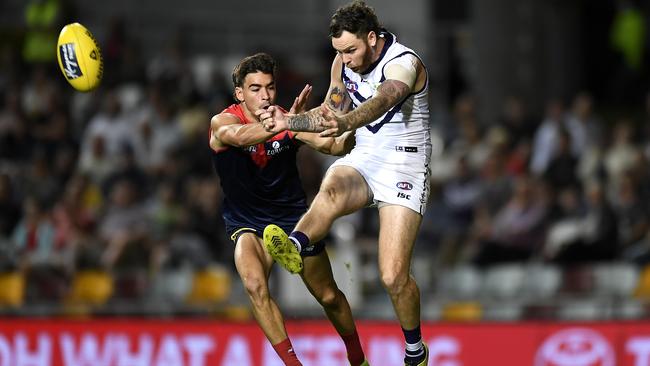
(399, 177)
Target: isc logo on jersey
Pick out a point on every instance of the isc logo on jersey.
(575, 346)
(79, 57)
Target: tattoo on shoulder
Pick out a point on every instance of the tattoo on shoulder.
(395, 90)
(337, 98)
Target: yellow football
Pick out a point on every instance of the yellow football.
(79, 57)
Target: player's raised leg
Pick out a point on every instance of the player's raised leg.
(343, 191)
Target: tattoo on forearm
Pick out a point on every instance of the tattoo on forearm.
(306, 122)
(389, 93)
(337, 99)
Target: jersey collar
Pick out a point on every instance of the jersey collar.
(389, 39)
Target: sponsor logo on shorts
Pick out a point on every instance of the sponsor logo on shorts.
(575, 346)
(406, 148)
(406, 186)
(403, 195)
(68, 55)
(351, 86)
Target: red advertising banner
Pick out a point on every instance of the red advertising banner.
(129, 342)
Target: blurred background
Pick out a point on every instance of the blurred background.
(540, 204)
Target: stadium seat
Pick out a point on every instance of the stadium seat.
(130, 284)
(172, 285)
(210, 286)
(237, 313)
(615, 279)
(642, 290)
(578, 280)
(542, 281)
(463, 311)
(460, 283)
(504, 281)
(92, 287)
(12, 289)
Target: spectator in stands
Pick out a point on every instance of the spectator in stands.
(582, 125)
(14, 133)
(460, 196)
(514, 233)
(124, 229)
(106, 134)
(496, 185)
(583, 234)
(10, 211)
(46, 262)
(545, 141)
(620, 156)
(633, 218)
(516, 122)
(561, 170)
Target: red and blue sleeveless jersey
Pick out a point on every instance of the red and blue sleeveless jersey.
(260, 182)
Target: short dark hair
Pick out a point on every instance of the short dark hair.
(259, 62)
(356, 18)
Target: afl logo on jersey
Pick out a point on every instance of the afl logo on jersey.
(406, 186)
(351, 86)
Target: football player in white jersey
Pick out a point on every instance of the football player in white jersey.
(378, 88)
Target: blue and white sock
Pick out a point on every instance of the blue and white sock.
(414, 348)
(299, 239)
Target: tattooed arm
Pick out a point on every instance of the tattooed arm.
(331, 119)
(337, 100)
(389, 93)
(401, 77)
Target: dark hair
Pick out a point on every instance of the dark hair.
(261, 62)
(356, 18)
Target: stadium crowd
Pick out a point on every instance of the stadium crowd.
(119, 181)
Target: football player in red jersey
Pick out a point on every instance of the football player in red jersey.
(261, 185)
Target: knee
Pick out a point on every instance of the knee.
(330, 192)
(329, 298)
(257, 289)
(394, 281)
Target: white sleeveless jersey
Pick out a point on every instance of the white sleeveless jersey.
(404, 126)
(393, 152)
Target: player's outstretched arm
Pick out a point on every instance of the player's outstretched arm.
(225, 129)
(337, 100)
(340, 145)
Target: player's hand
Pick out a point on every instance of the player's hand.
(272, 119)
(300, 103)
(332, 123)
